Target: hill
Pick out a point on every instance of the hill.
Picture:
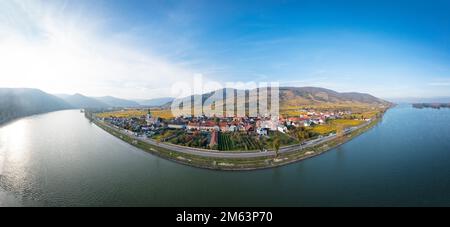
(81, 102)
(307, 96)
(117, 102)
(296, 96)
(154, 102)
(21, 102)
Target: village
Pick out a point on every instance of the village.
(234, 133)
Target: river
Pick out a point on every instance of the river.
(61, 159)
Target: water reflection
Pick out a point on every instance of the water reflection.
(14, 141)
(15, 156)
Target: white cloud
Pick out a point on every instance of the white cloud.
(44, 47)
(442, 82)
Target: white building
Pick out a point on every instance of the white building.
(269, 124)
(176, 126)
(262, 131)
(151, 120)
(282, 128)
(232, 128)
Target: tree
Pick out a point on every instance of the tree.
(276, 145)
(300, 137)
(339, 130)
(260, 145)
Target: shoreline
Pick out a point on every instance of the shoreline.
(261, 160)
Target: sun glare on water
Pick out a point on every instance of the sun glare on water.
(13, 148)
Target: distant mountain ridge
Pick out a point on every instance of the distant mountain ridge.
(422, 100)
(117, 102)
(299, 96)
(22, 102)
(291, 96)
(154, 102)
(82, 102)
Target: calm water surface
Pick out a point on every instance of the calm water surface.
(61, 159)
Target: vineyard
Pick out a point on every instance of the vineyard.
(237, 141)
(225, 143)
(137, 113)
(334, 124)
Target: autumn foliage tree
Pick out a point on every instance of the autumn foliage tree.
(276, 145)
(339, 130)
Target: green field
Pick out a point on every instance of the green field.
(237, 141)
(225, 143)
(245, 142)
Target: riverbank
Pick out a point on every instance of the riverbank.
(232, 161)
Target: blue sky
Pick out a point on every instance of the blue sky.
(389, 49)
